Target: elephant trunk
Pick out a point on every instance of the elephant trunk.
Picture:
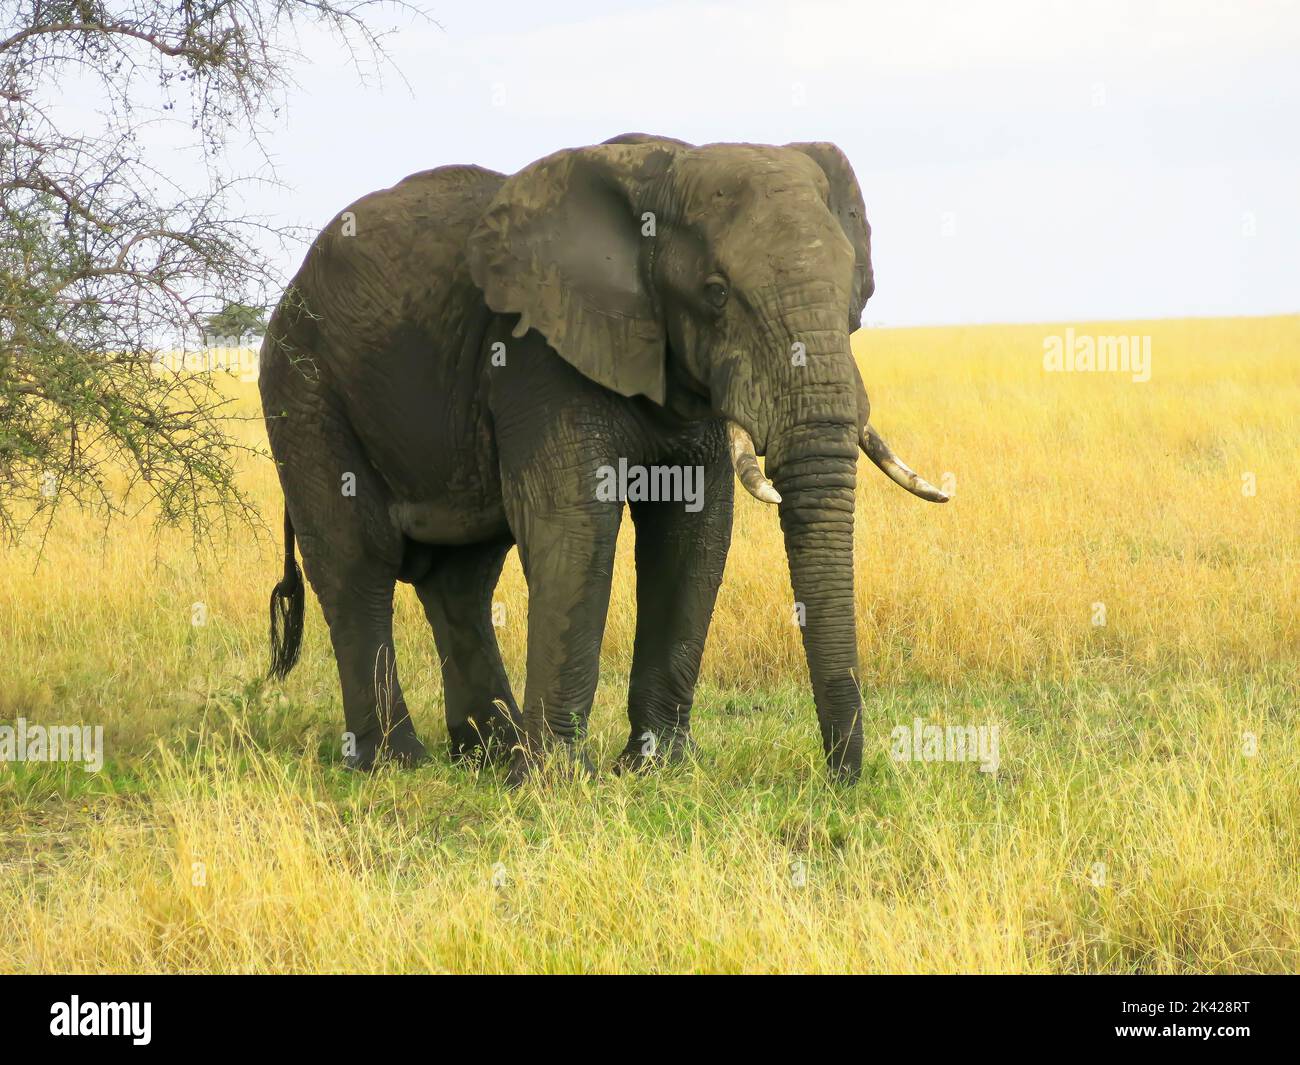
(814, 467)
(812, 451)
(807, 426)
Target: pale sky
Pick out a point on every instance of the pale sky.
(1020, 161)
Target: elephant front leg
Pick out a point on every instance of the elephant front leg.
(680, 556)
(568, 560)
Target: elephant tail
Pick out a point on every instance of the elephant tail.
(287, 600)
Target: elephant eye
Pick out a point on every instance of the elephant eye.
(715, 291)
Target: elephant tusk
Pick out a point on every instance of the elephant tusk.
(896, 469)
(745, 463)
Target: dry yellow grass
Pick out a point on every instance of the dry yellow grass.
(1129, 828)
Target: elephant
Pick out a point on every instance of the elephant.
(461, 355)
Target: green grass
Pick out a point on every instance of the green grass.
(1127, 829)
(691, 868)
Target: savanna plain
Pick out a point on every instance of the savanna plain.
(1114, 587)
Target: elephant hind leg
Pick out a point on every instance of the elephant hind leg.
(482, 717)
(352, 554)
(378, 723)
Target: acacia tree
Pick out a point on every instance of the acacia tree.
(236, 321)
(105, 258)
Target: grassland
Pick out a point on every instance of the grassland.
(1145, 815)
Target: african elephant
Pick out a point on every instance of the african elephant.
(463, 356)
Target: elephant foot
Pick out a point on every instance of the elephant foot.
(564, 761)
(400, 747)
(647, 750)
(488, 740)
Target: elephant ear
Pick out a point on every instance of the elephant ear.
(561, 245)
(847, 206)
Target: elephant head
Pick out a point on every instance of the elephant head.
(719, 280)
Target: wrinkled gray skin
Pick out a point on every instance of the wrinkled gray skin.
(617, 344)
